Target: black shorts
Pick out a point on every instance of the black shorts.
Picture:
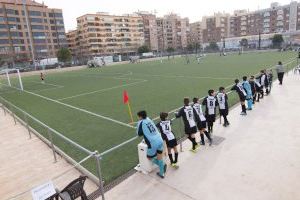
(190, 130)
(210, 118)
(171, 143)
(224, 112)
(201, 125)
(242, 98)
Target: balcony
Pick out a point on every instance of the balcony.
(266, 14)
(266, 25)
(279, 18)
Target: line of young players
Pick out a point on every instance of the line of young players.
(195, 120)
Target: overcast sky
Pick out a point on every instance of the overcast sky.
(194, 9)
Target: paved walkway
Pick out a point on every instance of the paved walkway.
(27, 163)
(256, 158)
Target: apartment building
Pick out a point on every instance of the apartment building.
(172, 31)
(195, 33)
(276, 19)
(215, 28)
(105, 34)
(31, 23)
(150, 30)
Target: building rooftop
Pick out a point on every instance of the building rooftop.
(20, 2)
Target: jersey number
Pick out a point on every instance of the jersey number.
(151, 128)
(211, 103)
(167, 127)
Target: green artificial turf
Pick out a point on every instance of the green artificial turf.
(152, 86)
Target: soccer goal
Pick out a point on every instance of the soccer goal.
(11, 78)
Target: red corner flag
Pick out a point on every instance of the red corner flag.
(125, 97)
(126, 101)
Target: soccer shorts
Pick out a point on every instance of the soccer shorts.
(156, 148)
(171, 143)
(224, 112)
(201, 125)
(210, 118)
(190, 130)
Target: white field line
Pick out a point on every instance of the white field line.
(180, 76)
(47, 89)
(227, 87)
(102, 90)
(47, 84)
(79, 109)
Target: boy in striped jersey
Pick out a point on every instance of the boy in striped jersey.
(201, 122)
(242, 95)
(223, 105)
(164, 126)
(188, 116)
(210, 102)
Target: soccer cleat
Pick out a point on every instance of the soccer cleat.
(193, 150)
(202, 143)
(175, 166)
(161, 176)
(210, 142)
(249, 108)
(197, 146)
(243, 113)
(225, 125)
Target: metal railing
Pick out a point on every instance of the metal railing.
(100, 158)
(23, 118)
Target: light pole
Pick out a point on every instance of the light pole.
(29, 34)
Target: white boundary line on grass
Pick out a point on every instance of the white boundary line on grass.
(47, 84)
(102, 90)
(181, 76)
(79, 109)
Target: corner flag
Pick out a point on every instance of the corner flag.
(126, 101)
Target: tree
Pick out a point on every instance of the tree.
(244, 42)
(170, 49)
(143, 49)
(190, 47)
(213, 46)
(64, 55)
(277, 40)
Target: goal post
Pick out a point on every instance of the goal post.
(12, 78)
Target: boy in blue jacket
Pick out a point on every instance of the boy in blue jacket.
(247, 88)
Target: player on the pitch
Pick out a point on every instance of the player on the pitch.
(168, 136)
(155, 143)
(242, 95)
(247, 88)
(210, 102)
(223, 105)
(188, 116)
(42, 77)
(201, 122)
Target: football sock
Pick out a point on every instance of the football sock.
(171, 158)
(176, 157)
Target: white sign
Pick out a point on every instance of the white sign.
(44, 191)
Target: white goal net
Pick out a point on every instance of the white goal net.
(10, 79)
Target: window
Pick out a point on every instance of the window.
(3, 34)
(2, 19)
(38, 34)
(13, 19)
(35, 13)
(12, 12)
(3, 26)
(39, 41)
(58, 15)
(37, 27)
(36, 20)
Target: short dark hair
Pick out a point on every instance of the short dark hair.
(195, 99)
(163, 116)
(252, 77)
(221, 88)
(142, 114)
(236, 81)
(186, 101)
(210, 92)
(279, 63)
(244, 78)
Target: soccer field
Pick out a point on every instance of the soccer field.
(87, 105)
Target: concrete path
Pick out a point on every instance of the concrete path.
(256, 158)
(27, 163)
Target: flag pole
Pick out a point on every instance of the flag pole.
(130, 113)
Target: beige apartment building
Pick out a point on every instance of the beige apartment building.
(150, 30)
(37, 24)
(276, 19)
(104, 34)
(215, 28)
(195, 33)
(172, 31)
